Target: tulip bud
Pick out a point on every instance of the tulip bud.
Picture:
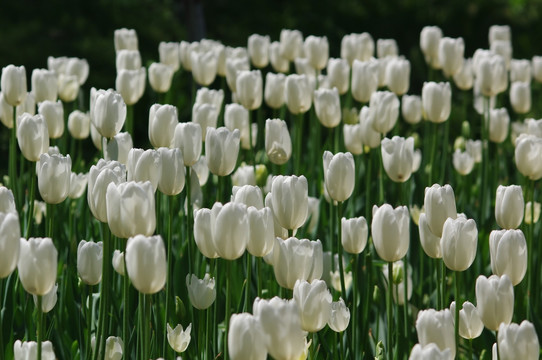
(144, 165)
(290, 200)
(499, 122)
(298, 93)
(13, 84)
(9, 241)
(278, 144)
(354, 234)
(429, 43)
(450, 54)
(37, 265)
(357, 47)
(48, 300)
(131, 209)
(118, 148)
(520, 97)
(353, 138)
(274, 90)
(491, 74)
(291, 43)
(385, 107)
(202, 293)
(458, 243)
(520, 70)
(436, 327)
(470, 324)
(89, 262)
(68, 87)
(364, 79)
(125, 39)
(222, 149)
(108, 112)
(495, 300)
(464, 77)
(53, 113)
(339, 316)
(258, 50)
(162, 123)
(338, 74)
(436, 101)
(508, 250)
(178, 338)
(532, 213)
(463, 162)
(169, 54)
(369, 135)
(261, 234)
(187, 137)
(339, 175)
(316, 50)
(390, 229)
(131, 84)
(509, 206)
(233, 67)
(411, 108)
(79, 124)
(54, 172)
(206, 116)
(430, 351)
(29, 350)
(32, 136)
(99, 177)
(528, 147)
(327, 106)
(249, 88)
(537, 68)
(439, 203)
(128, 60)
(171, 180)
(518, 341)
(397, 75)
(160, 77)
(246, 339)
(78, 185)
(314, 301)
(276, 58)
(118, 262)
(44, 85)
(398, 157)
(146, 262)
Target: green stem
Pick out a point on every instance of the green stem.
(439, 286)
(40, 324)
(443, 283)
(390, 310)
(146, 325)
(485, 161)
(31, 204)
(88, 310)
(207, 326)
(50, 216)
(444, 155)
(258, 275)
(227, 310)
(380, 178)
(125, 319)
(340, 249)
(189, 216)
(140, 331)
(169, 291)
(470, 349)
(530, 250)
(12, 166)
(368, 181)
(298, 143)
(434, 128)
(130, 120)
(457, 305)
(405, 304)
(355, 305)
(248, 282)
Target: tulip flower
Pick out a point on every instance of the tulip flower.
(7, 201)
(258, 50)
(436, 101)
(118, 148)
(474, 148)
(118, 262)
(29, 350)
(352, 135)
(54, 173)
(79, 124)
(89, 262)
(244, 175)
(169, 54)
(369, 136)
(276, 58)
(281, 324)
(278, 144)
(53, 113)
(364, 79)
(172, 176)
(233, 67)
(211, 97)
(187, 137)
(298, 93)
(509, 206)
(314, 300)
(499, 32)
(495, 300)
(386, 48)
(128, 60)
(429, 43)
(499, 122)
(249, 195)
(339, 175)
(439, 203)
(96, 137)
(518, 341)
(398, 286)
(230, 229)
(6, 110)
(436, 327)
(185, 48)
(520, 97)
(357, 47)
(327, 106)
(274, 90)
(162, 122)
(290, 200)
(131, 84)
(48, 300)
(508, 251)
(450, 55)
(144, 165)
(204, 67)
(78, 68)
(528, 209)
(246, 337)
(68, 87)
(237, 117)
(37, 265)
(131, 209)
(529, 164)
(411, 108)
(249, 88)
(463, 162)
(520, 70)
(179, 338)
(354, 234)
(338, 74)
(201, 170)
(146, 263)
(206, 115)
(13, 84)
(32, 136)
(491, 74)
(397, 75)
(261, 235)
(9, 241)
(222, 149)
(390, 229)
(430, 242)
(202, 293)
(99, 177)
(160, 77)
(470, 324)
(107, 112)
(44, 85)
(339, 317)
(316, 50)
(430, 351)
(291, 43)
(464, 77)
(398, 157)
(385, 108)
(125, 39)
(536, 67)
(458, 243)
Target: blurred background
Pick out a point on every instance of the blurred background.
(32, 30)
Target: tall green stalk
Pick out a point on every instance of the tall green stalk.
(457, 305)
(227, 310)
(40, 324)
(485, 161)
(530, 251)
(12, 165)
(188, 217)
(298, 143)
(248, 281)
(389, 301)
(31, 204)
(169, 278)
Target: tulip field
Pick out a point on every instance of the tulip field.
(278, 201)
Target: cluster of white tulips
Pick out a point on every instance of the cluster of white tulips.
(323, 213)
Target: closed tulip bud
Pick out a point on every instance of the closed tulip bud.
(464, 77)
(430, 242)
(172, 177)
(78, 68)
(201, 170)
(316, 50)
(339, 175)
(162, 122)
(233, 67)
(463, 162)
(54, 172)
(278, 144)
(79, 125)
(470, 324)
(499, 122)
(385, 106)
(244, 175)
(390, 229)
(118, 148)
(532, 213)
(78, 185)
(237, 117)
(32, 136)
(369, 135)
(131, 84)
(491, 74)
(68, 87)
(169, 54)
(6, 110)
(303, 67)
(436, 327)
(13, 84)
(128, 60)
(509, 206)
(249, 195)
(246, 339)
(179, 338)
(261, 239)
(230, 228)
(520, 97)
(48, 300)
(9, 242)
(291, 43)
(429, 43)
(518, 341)
(474, 148)
(439, 203)
(144, 165)
(290, 200)
(354, 234)
(357, 47)
(499, 33)
(53, 113)
(146, 262)
(277, 59)
(411, 108)
(274, 90)
(495, 300)
(108, 112)
(118, 262)
(187, 137)
(44, 85)
(398, 283)
(99, 177)
(353, 138)
(211, 97)
(89, 262)
(314, 301)
(537, 68)
(528, 147)
(222, 149)
(258, 50)
(398, 157)
(37, 265)
(398, 75)
(436, 101)
(203, 233)
(29, 350)
(508, 250)
(131, 209)
(364, 79)
(298, 93)
(338, 74)
(249, 89)
(202, 293)
(339, 317)
(125, 39)
(450, 54)
(7, 201)
(185, 49)
(96, 137)
(386, 48)
(160, 77)
(430, 351)
(327, 106)
(206, 116)
(458, 243)
(520, 70)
